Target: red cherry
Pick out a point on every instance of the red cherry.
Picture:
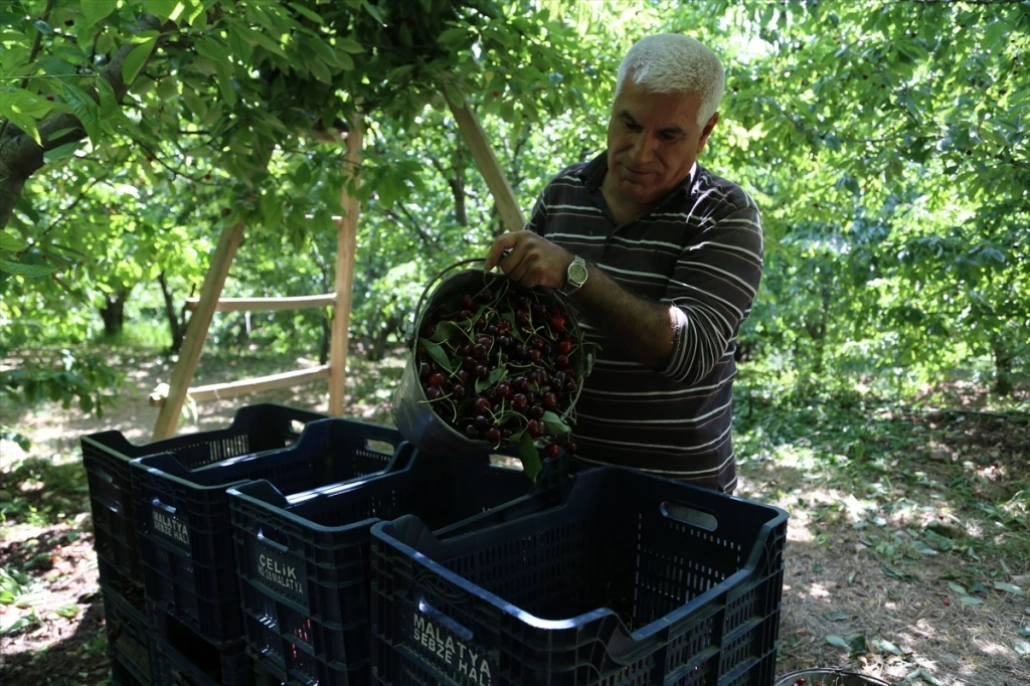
(207, 177)
(436, 379)
(535, 428)
(557, 323)
(493, 434)
(564, 347)
(553, 450)
(482, 405)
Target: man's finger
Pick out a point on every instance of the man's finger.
(503, 245)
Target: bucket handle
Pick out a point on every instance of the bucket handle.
(440, 275)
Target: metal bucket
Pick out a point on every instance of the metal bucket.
(829, 677)
(412, 413)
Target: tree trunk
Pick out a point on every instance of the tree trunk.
(21, 156)
(176, 326)
(113, 311)
(1002, 369)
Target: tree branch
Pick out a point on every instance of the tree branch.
(21, 156)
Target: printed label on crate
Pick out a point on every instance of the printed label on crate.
(461, 661)
(170, 527)
(280, 573)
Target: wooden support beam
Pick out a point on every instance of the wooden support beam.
(302, 302)
(253, 385)
(196, 331)
(345, 248)
(496, 180)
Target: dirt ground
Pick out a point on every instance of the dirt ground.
(913, 626)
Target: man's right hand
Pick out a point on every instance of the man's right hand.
(532, 260)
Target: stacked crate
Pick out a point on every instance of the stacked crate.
(161, 531)
(290, 548)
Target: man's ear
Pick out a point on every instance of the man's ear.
(707, 131)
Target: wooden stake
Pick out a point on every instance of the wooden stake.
(256, 384)
(345, 249)
(475, 138)
(196, 331)
(300, 302)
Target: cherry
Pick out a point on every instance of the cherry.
(536, 411)
(522, 317)
(424, 370)
(564, 347)
(491, 330)
(464, 376)
(465, 349)
(519, 402)
(535, 428)
(481, 421)
(550, 401)
(534, 356)
(486, 296)
(520, 384)
(504, 325)
(482, 371)
(471, 431)
(479, 351)
(428, 331)
(458, 390)
(485, 340)
(482, 405)
(571, 448)
(557, 323)
(503, 390)
(468, 302)
(505, 341)
(493, 434)
(434, 393)
(466, 314)
(562, 362)
(436, 379)
(553, 450)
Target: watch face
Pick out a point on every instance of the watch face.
(577, 272)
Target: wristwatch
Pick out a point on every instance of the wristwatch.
(575, 276)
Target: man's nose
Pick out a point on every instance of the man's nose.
(643, 148)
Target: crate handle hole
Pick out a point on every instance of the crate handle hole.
(688, 515)
(384, 447)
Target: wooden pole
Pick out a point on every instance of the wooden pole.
(256, 384)
(345, 250)
(496, 180)
(196, 331)
(300, 302)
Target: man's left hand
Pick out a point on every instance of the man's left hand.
(532, 261)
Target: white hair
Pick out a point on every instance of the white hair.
(674, 63)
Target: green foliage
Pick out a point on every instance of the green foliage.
(885, 143)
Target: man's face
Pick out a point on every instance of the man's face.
(653, 140)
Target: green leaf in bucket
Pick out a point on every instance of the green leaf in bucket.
(529, 456)
(437, 353)
(495, 376)
(555, 426)
(445, 331)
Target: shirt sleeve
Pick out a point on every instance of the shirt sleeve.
(711, 289)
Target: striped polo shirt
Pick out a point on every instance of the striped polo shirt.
(701, 250)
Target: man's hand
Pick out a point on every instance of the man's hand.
(532, 260)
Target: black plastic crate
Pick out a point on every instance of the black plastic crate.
(303, 562)
(201, 664)
(130, 635)
(182, 515)
(106, 456)
(122, 676)
(632, 580)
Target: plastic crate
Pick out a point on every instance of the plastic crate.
(632, 580)
(122, 676)
(303, 562)
(106, 456)
(182, 515)
(204, 666)
(130, 636)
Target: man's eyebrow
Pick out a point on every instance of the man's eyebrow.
(670, 131)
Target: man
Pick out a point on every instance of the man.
(662, 260)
